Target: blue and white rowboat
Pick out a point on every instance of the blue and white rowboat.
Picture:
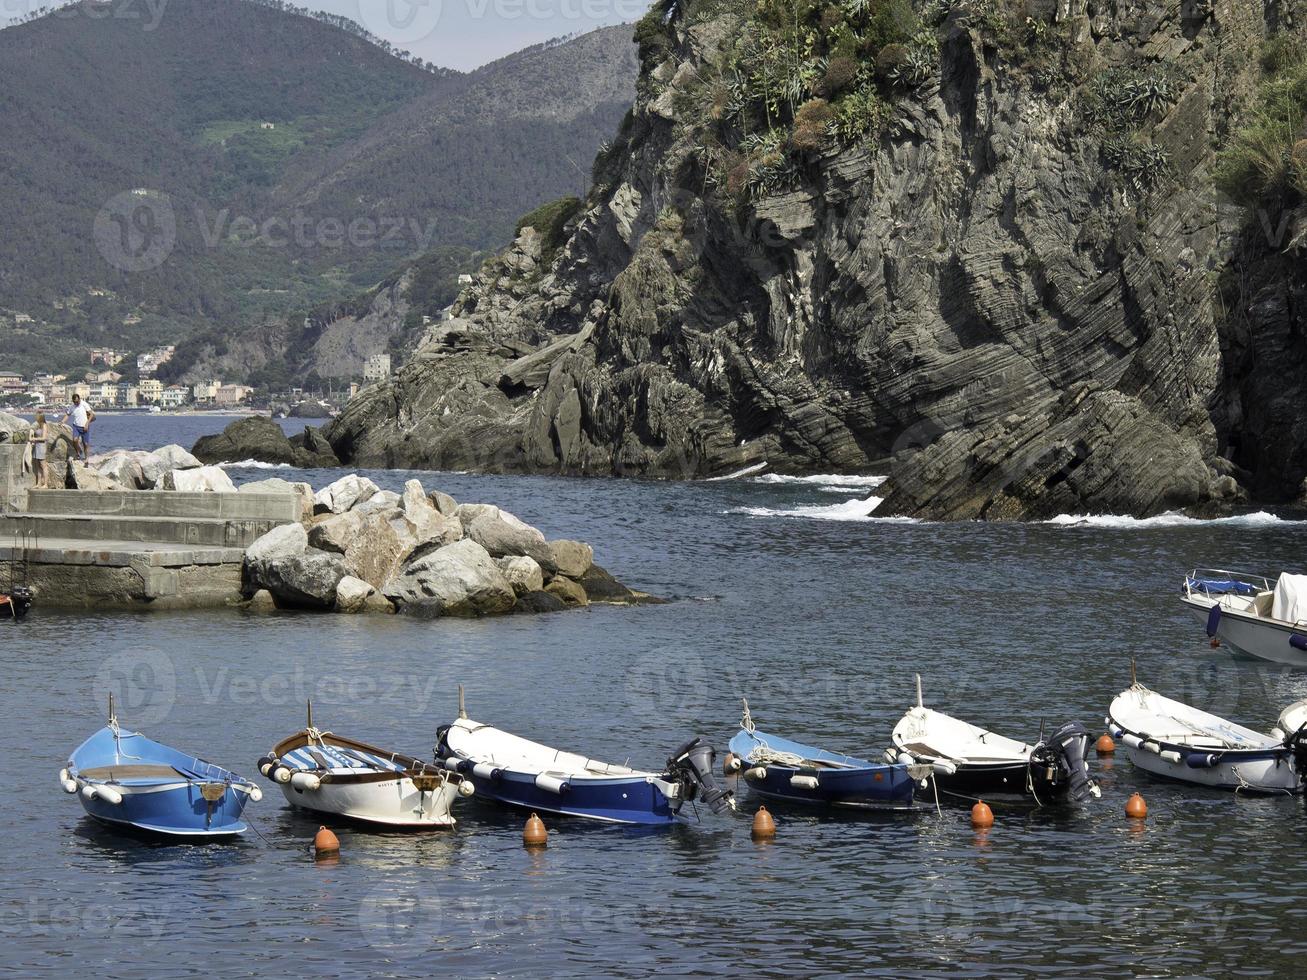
(126, 779)
(521, 773)
(787, 770)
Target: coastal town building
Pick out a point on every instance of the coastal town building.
(149, 362)
(377, 368)
(174, 396)
(150, 390)
(230, 395)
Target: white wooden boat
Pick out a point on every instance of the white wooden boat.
(343, 777)
(969, 762)
(1252, 615)
(1180, 742)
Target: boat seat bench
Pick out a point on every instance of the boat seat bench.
(119, 773)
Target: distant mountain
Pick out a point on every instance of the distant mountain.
(233, 163)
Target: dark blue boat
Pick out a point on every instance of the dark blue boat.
(124, 778)
(520, 773)
(797, 773)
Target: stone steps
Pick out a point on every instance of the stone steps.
(90, 528)
(283, 508)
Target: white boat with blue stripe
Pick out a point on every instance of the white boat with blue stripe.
(343, 777)
(125, 779)
(1251, 614)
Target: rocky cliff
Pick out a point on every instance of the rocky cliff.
(976, 244)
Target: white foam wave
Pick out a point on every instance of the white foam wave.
(738, 474)
(858, 510)
(1170, 519)
(824, 480)
(255, 464)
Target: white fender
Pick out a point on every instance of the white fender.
(803, 782)
(109, 794)
(465, 788)
(944, 767)
(1134, 741)
(305, 780)
(266, 768)
(550, 784)
(281, 774)
(906, 760)
(1153, 747)
(67, 782)
(756, 773)
(484, 770)
(88, 792)
(1169, 756)
(252, 791)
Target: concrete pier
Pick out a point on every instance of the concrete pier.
(156, 549)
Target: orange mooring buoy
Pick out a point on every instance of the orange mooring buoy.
(325, 842)
(981, 815)
(764, 827)
(1105, 745)
(1215, 643)
(1136, 808)
(534, 833)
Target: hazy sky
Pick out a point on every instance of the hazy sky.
(454, 33)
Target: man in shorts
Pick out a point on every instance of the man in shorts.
(80, 417)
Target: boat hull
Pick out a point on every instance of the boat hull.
(1237, 771)
(634, 800)
(829, 779)
(388, 803)
(1253, 636)
(179, 810)
(1015, 781)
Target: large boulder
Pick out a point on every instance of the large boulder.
(286, 541)
(308, 581)
(352, 594)
(123, 467)
(206, 478)
(600, 586)
(372, 543)
(345, 493)
(174, 457)
(570, 592)
(539, 602)
(277, 485)
(79, 476)
(504, 535)
(427, 523)
(260, 438)
(444, 503)
(524, 574)
(573, 558)
(461, 577)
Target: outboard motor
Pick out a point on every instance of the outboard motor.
(691, 768)
(1064, 752)
(1296, 742)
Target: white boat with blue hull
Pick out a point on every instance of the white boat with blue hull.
(1182, 743)
(1251, 614)
(518, 772)
(125, 779)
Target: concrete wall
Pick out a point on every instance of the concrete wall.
(13, 481)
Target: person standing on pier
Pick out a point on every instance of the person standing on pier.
(40, 437)
(80, 417)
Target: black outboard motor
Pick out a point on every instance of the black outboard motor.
(691, 768)
(1296, 742)
(1064, 752)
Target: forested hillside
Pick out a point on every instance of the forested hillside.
(232, 164)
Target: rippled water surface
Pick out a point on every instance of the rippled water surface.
(786, 595)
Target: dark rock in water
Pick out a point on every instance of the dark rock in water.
(308, 581)
(600, 586)
(259, 437)
(984, 296)
(539, 602)
(423, 609)
(313, 442)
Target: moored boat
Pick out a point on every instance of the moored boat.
(971, 763)
(521, 773)
(15, 603)
(783, 769)
(344, 777)
(1251, 614)
(1180, 742)
(126, 779)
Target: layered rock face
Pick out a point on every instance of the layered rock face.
(1010, 314)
